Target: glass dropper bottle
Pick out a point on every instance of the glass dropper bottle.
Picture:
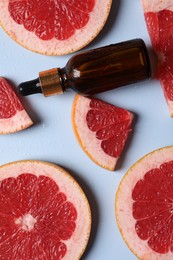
(95, 71)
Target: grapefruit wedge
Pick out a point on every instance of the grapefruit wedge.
(44, 213)
(101, 129)
(53, 27)
(159, 21)
(13, 116)
(144, 206)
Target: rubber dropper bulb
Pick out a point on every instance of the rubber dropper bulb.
(30, 87)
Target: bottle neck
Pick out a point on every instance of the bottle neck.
(51, 82)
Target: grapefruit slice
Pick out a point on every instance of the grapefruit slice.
(101, 129)
(54, 27)
(44, 213)
(13, 116)
(159, 21)
(144, 206)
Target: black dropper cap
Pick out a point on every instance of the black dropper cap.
(48, 83)
(30, 87)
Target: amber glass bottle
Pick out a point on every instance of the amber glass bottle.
(95, 71)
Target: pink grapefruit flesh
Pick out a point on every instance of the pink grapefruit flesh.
(159, 21)
(44, 213)
(13, 116)
(54, 27)
(101, 129)
(144, 206)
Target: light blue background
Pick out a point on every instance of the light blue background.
(52, 139)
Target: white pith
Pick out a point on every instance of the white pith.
(18, 122)
(98, 17)
(125, 221)
(26, 222)
(87, 138)
(170, 105)
(157, 5)
(77, 243)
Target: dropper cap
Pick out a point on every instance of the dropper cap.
(48, 83)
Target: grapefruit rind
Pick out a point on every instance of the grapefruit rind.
(77, 243)
(170, 105)
(123, 203)
(80, 39)
(18, 122)
(157, 5)
(86, 138)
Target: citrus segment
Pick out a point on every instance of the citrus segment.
(53, 27)
(44, 213)
(101, 129)
(69, 15)
(144, 208)
(13, 117)
(159, 21)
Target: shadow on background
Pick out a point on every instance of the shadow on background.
(153, 62)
